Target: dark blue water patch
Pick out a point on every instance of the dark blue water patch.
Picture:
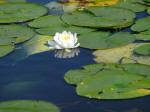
(140, 15)
(43, 2)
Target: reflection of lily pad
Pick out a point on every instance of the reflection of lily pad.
(101, 40)
(124, 54)
(20, 12)
(143, 50)
(27, 106)
(15, 34)
(6, 49)
(141, 25)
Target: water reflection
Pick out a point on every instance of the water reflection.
(67, 54)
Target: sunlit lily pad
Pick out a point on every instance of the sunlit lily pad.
(13, 1)
(143, 50)
(20, 12)
(124, 54)
(135, 7)
(141, 25)
(116, 82)
(27, 106)
(15, 34)
(6, 49)
(101, 40)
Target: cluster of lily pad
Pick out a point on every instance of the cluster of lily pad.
(95, 27)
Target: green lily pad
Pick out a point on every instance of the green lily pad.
(73, 29)
(93, 40)
(133, 1)
(46, 21)
(141, 25)
(142, 36)
(13, 1)
(135, 7)
(101, 40)
(20, 12)
(143, 50)
(115, 82)
(6, 49)
(82, 18)
(15, 34)
(146, 0)
(27, 106)
(124, 54)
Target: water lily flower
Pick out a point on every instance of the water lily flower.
(64, 40)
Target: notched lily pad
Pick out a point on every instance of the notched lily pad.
(27, 106)
(20, 12)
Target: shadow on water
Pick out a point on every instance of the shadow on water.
(40, 77)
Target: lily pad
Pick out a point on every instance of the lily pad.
(6, 49)
(82, 18)
(123, 54)
(60, 28)
(15, 34)
(118, 83)
(135, 7)
(27, 106)
(141, 25)
(101, 40)
(142, 36)
(143, 50)
(20, 12)
(46, 21)
(148, 10)
(13, 1)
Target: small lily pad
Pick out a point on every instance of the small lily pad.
(6, 49)
(15, 34)
(144, 37)
(141, 25)
(20, 12)
(27, 106)
(143, 50)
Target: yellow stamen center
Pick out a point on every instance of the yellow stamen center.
(66, 37)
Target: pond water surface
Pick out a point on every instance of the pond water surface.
(41, 77)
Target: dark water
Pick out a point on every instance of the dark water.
(40, 77)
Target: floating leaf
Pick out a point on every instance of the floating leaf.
(20, 12)
(6, 49)
(101, 40)
(27, 106)
(141, 25)
(143, 36)
(118, 83)
(135, 7)
(46, 21)
(148, 10)
(143, 50)
(82, 18)
(15, 34)
(124, 54)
